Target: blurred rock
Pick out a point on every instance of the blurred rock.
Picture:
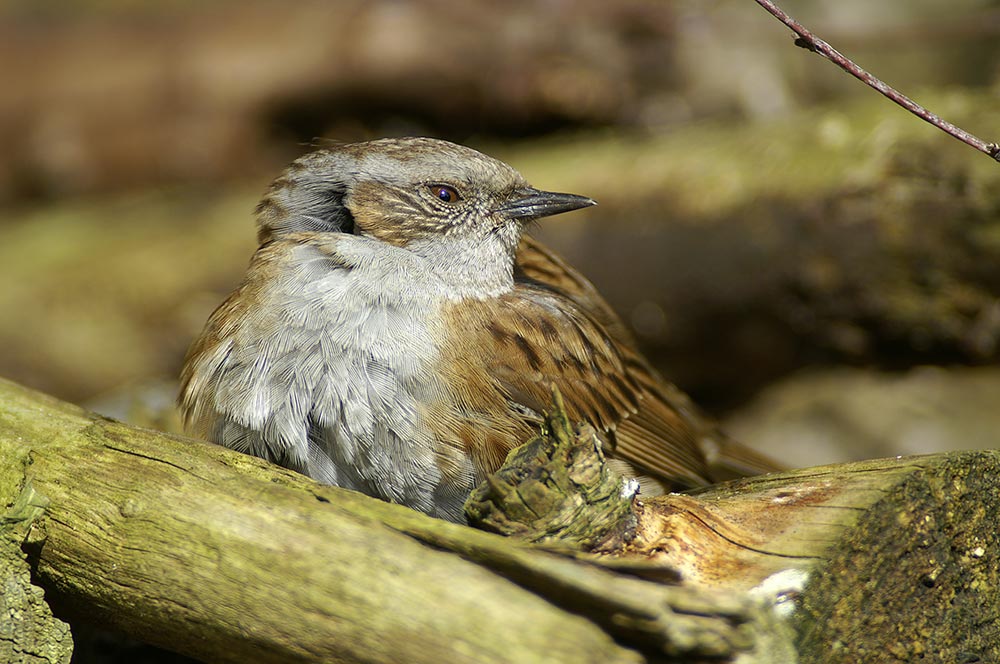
(110, 96)
(113, 99)
(151, 404)
(829, 416)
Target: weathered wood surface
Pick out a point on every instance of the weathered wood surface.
(220, 556)
(900, 554)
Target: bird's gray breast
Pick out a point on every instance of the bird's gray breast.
(343, 372)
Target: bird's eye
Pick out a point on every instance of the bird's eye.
(445, 193)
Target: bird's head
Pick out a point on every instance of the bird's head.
(430, 196)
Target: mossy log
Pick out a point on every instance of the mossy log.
(225, 558)
(222, 557)
(890, 560)
(737, 251)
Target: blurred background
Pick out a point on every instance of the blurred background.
(814, 265)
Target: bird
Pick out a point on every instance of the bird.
(397, 333)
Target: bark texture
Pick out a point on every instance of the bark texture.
(223, 557)
(219, 556)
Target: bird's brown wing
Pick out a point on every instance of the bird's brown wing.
(726, 458)
(518, 345)
(534, 262)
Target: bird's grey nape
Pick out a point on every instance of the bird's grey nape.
(304, 201)
(328, 212)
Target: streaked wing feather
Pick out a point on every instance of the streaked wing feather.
(726, 457)
(534, 262)
(534, 338)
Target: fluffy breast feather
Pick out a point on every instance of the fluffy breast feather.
(320, 361)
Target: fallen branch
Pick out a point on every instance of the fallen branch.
(223, 557)
(220, 556)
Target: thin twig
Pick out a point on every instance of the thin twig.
(810, 41)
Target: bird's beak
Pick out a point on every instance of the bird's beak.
(531, 203)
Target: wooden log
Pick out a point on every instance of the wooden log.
(225, 558)
(884, 560)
